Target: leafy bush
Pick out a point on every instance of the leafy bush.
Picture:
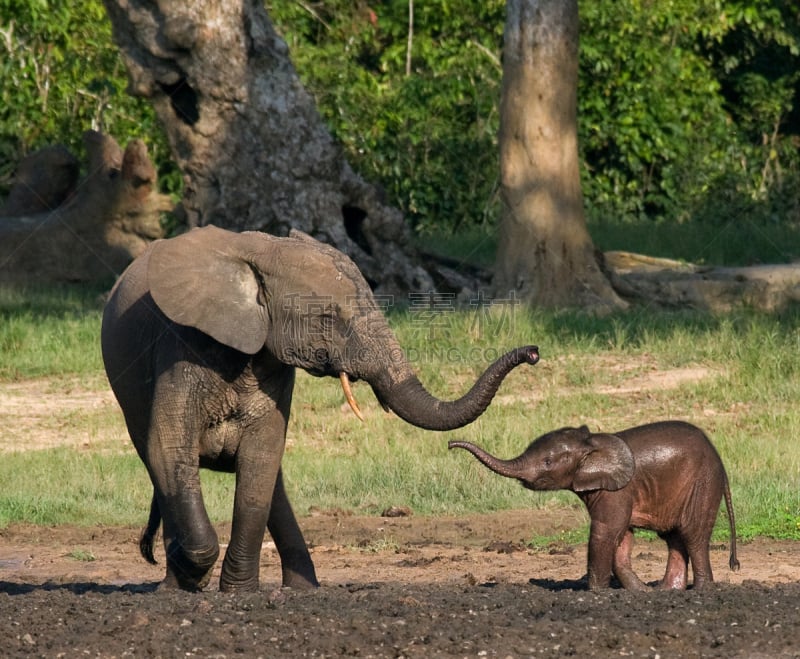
(685, 114)
(61, 75)
(426, 133)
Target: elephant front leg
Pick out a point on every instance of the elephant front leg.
(240, 567)
(257, 470)
(603, 541)
(190, 542)
(296, 565)
(167, 441)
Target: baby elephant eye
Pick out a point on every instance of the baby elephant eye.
(547, 462)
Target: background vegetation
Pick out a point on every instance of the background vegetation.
(689, 109)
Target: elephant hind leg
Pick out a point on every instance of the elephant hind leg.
(622, 564)
(296, 566)
(701, 562)
(677, 572)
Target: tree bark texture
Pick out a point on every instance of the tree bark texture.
(247, 136)
(56, 228)
(545, 254)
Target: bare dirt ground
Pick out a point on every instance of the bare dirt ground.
(391, 587)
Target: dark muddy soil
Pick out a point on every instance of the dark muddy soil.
(392, 587)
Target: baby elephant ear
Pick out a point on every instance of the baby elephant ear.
(608, 465)
(200, 279)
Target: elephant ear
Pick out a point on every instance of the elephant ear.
(201, 280)
(608, 464)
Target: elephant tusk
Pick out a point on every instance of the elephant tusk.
(348, 394)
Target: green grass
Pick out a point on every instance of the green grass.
(49, 331)
(747, 403)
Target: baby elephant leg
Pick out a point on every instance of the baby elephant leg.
(701, 561)
(622, 564)
(677, 573)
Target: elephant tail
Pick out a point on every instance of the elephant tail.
(733, 562)
(150, 531)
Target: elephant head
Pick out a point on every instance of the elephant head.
(307, 305)
(566, 459)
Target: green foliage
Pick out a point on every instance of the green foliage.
(61, 75)
(689, 109)
(427, 134)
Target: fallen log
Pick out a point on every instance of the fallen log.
(673, 284)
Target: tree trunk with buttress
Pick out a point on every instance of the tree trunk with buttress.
(545, 254)
(248, 138)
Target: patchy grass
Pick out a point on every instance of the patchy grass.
(734, 375)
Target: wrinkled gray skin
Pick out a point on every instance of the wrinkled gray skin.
(666, 477)
(201, 337)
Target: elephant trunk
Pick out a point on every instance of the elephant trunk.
(411, 401)
(510, 468)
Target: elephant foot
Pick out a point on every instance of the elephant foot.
(701, 584)
(189, 569)
(636, 585)
(297, 568)
(300, 580)
(239, 576)
(250, 586)
(171, 582)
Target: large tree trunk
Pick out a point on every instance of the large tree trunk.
(545, 254)
(253, 149)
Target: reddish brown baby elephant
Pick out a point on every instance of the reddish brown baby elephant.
(666, 477)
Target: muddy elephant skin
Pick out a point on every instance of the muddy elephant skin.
(666, 477)
(201, 337)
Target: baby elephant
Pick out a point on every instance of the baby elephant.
(663, 476)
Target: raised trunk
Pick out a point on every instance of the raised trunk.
(509, 468)
(411, 401)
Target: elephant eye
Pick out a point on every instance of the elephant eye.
(547, 462)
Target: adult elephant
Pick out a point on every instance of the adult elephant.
(201, 337)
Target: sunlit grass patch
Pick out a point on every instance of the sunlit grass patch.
(734, 375)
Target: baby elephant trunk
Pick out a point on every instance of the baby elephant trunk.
(509, 468)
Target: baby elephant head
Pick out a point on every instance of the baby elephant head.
(566, 459)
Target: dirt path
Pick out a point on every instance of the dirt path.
(392, 587)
